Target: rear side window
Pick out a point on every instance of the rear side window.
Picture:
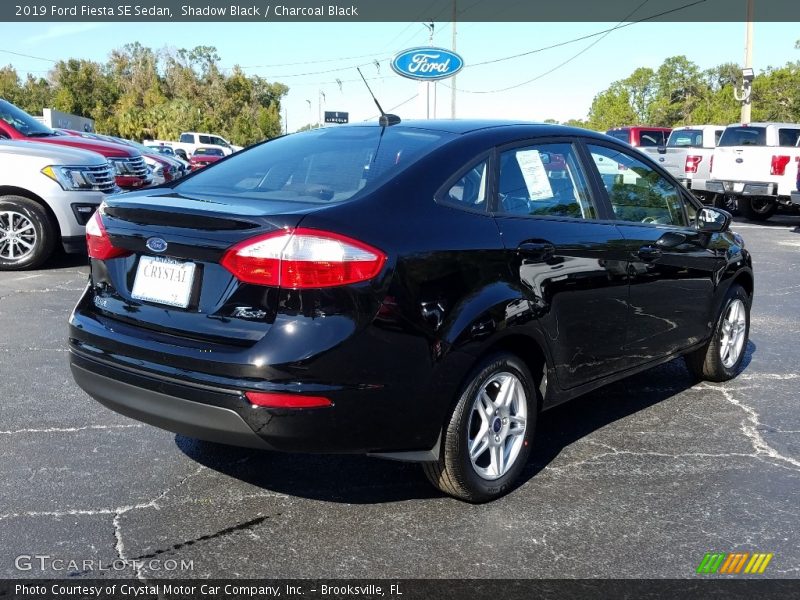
(744, 136)
(638, 193)
(324, 165)
(543, 180)
(788, 137)
(686, 138)
(649, 138)
(470, 190)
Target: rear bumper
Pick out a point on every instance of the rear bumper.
(795, 198)
(742, 188)
(194, 419)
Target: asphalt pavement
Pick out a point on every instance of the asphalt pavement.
(639, 479)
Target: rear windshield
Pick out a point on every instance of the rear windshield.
(744, 136)
(325, 165)
(651, 137)
(686, 138)
(620, 134)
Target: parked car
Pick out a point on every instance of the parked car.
(169, 152)
(640, 136)
(795, 195)
(190, 141)
(204, 156)
(47, 194)
(161, 169)
(687, 157)
(129, 167)
(424, 309)
(755, 164)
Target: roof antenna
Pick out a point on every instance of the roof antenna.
(384, 120)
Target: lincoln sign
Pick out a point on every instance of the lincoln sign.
(427, 63)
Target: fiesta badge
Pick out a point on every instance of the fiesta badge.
(427, 63)
(156, 244)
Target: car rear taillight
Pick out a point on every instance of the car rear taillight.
(97, 241)
(277, 400)
(303, 259)
(778, 166)
(797, 158)
(692, 162)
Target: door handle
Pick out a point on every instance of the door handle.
(537, 251)
(649, 253)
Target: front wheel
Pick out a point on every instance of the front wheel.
(721, 358)
(27, 237)
(487, 439)
(755, 208)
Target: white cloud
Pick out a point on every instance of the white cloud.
(62, 30)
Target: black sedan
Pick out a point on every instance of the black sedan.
(419, 291)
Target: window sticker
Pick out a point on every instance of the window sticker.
(534, 174)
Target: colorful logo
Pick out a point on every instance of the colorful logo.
(427, 63)
(734, 563)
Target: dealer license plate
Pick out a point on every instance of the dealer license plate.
(164, 281)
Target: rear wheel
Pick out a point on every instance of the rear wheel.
(721, 358)
(486, 442)
(756, 208)
(27, 237)
(726, 202)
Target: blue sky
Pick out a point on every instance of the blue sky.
(295, 53)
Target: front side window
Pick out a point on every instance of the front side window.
(205, 139)
(187, 138)
(543, 180)
(637, 193)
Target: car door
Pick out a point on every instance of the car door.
(567, 260)
(670, 264)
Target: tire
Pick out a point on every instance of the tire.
(726, 202)
(485, 478)
(756, 209)
(27, 235)
(712, 362)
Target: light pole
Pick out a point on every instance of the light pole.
(747, 70)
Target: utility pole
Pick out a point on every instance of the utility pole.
(430, 27)
(747, 70)
(453, 81)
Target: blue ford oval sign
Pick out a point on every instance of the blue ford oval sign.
(427, 63)
(156, 244)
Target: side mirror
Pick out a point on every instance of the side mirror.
(712, 220)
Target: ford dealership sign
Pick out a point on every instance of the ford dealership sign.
(427, 63)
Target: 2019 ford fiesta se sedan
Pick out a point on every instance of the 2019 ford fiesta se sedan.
(419, 291)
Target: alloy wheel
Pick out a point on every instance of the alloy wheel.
(734, 326)
(498, 420)
(17, 236)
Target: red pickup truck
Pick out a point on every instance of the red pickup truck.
(129, 168)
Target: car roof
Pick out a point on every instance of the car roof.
(467, 126)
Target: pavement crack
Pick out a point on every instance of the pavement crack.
(750, 427)
(70, 429)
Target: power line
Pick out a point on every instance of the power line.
(406, 101)
(603, 34)
(29, 56)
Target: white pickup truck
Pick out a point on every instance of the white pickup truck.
(757, 164)
(687, 157)
(47, 194)
(191, 141)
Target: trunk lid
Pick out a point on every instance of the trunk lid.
(183, 236)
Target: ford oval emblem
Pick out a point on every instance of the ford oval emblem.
(740, 160)
(156, 244)
(427, 63)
